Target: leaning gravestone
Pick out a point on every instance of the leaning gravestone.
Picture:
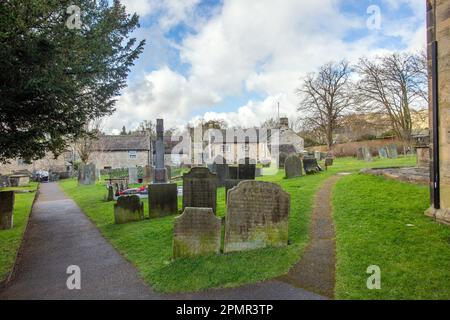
(6, 210)
(196, 232)
(257, 216)
(310, 165)
(128, 209)
(86, 174)
(132, 175)
(367, 154)
(383, 153)
(246, 170)
(200, 188)
(293, 166)
(392, 151)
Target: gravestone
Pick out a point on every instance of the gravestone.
(168, 172)
(128, 209)
(132, 175)
(163, 199)
(196, 232)
(148, 174)
(317, 155)
(230, 184)
(221, 169)
(392, 151)
(19, 180)
(86, 174)
(110, 196)
(233, 172)
(293, 166)
(160, 173)
(360, 154)
(310, 165)
(258, 172)
(367, 154)
(257, 216)
(329, 162)
(200, 188)
(4, 182)
(246, 170)
(383, 153)
(6, 210)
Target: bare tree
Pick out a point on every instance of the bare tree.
(395, 85)
(326, 96)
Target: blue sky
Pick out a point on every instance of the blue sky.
(235, 60)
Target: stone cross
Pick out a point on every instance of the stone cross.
(160, 174)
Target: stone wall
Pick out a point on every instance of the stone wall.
(47, 163)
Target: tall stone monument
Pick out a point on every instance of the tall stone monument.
(162, 195)
(438, 30)
(6, 209)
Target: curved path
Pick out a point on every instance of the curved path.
(60, 235)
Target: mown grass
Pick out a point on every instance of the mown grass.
(10, 240)
(148, 244)
(381, 222)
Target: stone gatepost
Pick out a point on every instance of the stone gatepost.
(6, 209)
(438, 31)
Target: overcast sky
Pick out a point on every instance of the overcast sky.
(235, 59)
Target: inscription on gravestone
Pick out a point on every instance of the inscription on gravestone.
(257, 216)
(6, 210)
(200, 188)
(196, 232)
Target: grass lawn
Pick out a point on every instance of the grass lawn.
(148, 244)
(10, 240)
(372, 215)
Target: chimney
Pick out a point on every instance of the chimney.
(284, 123)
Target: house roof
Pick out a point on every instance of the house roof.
(122, 143)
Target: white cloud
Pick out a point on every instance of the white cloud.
(263, 46)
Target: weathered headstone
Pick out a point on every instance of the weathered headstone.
(148, 174)
(233, 172)
(367, 154)
(360, 154)
(163, 199)
(230, 184)
(257, 216)
(246, 170)
(317, 155)
(132, 175)
(392, 151)
(128, 209)
(86, 174)
(310, 165)
(19, 180)
(329, 162)
(221, 169)
(6, 210)
(168, 172)
(4, 181)
(382, 152)
(196, 232)
(293, 166)
(110, 196)
(200, 188)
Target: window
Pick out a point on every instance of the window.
(225, 148)
(132, 154)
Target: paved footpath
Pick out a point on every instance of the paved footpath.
(60, 235)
